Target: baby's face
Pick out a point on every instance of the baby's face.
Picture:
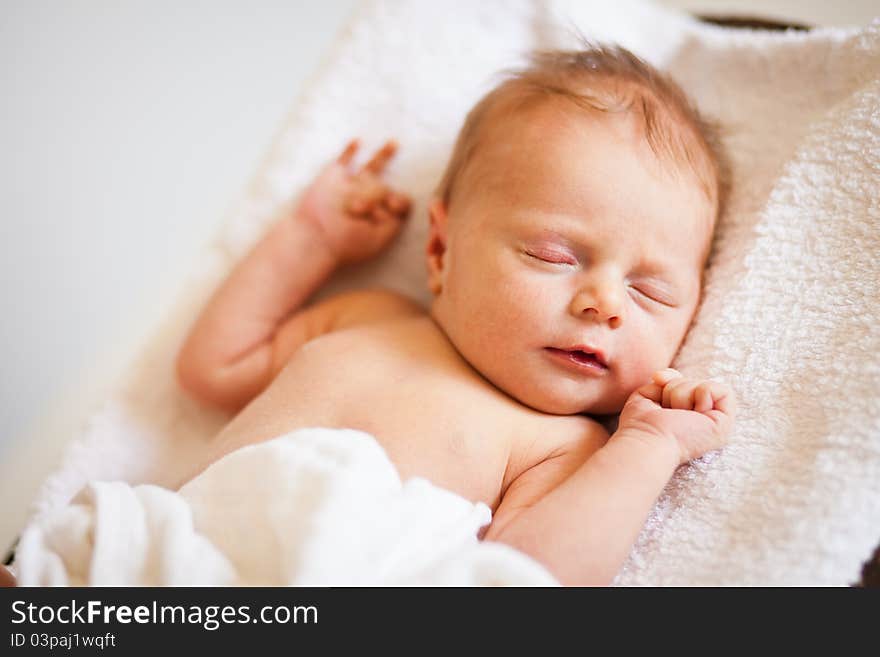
(568, 234)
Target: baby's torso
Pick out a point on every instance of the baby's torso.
(403, 382)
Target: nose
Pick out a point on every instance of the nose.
(601, 301)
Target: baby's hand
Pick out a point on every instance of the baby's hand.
(355, 212)
(693, 416)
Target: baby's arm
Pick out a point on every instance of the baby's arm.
(583, 528)
(580, 519)
(246, 332)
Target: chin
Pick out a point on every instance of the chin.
(568, 404)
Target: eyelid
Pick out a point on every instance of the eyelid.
(552, 255)
(654, 294)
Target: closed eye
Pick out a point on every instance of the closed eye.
(552, 257)
(651, 295)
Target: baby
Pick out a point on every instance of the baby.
(567, 242)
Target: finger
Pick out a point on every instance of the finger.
(652, 392)
(662, 377)
(347, 155)
(679, 394)
(380, 213)
(703, 401)
(357, 205)
(380, 159)
(723, 398)
(367, 195)
(397, 203)
(383, 231)
(683, 396)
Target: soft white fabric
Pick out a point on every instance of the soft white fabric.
(316, 507)
(789, 318)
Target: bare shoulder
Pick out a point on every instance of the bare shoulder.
(357, 307)
(335, 313)
(339, 312)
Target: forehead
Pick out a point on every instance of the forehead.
(593, 172)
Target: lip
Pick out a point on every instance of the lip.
(596, 367)
(590, 349)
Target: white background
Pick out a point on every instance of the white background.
(127, 130)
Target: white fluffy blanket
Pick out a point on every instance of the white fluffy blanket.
(316, 507)
(790, 316)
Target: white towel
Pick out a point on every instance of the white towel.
(316, 507)
(789, 318)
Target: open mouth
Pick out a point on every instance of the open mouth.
(588, 360)
(586, 357)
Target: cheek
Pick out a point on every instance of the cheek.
(650, 346)
(496, 296)
(521, 304)
(643, 361)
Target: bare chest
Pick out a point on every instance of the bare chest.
(435, 417)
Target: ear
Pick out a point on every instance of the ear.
(436, 247)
